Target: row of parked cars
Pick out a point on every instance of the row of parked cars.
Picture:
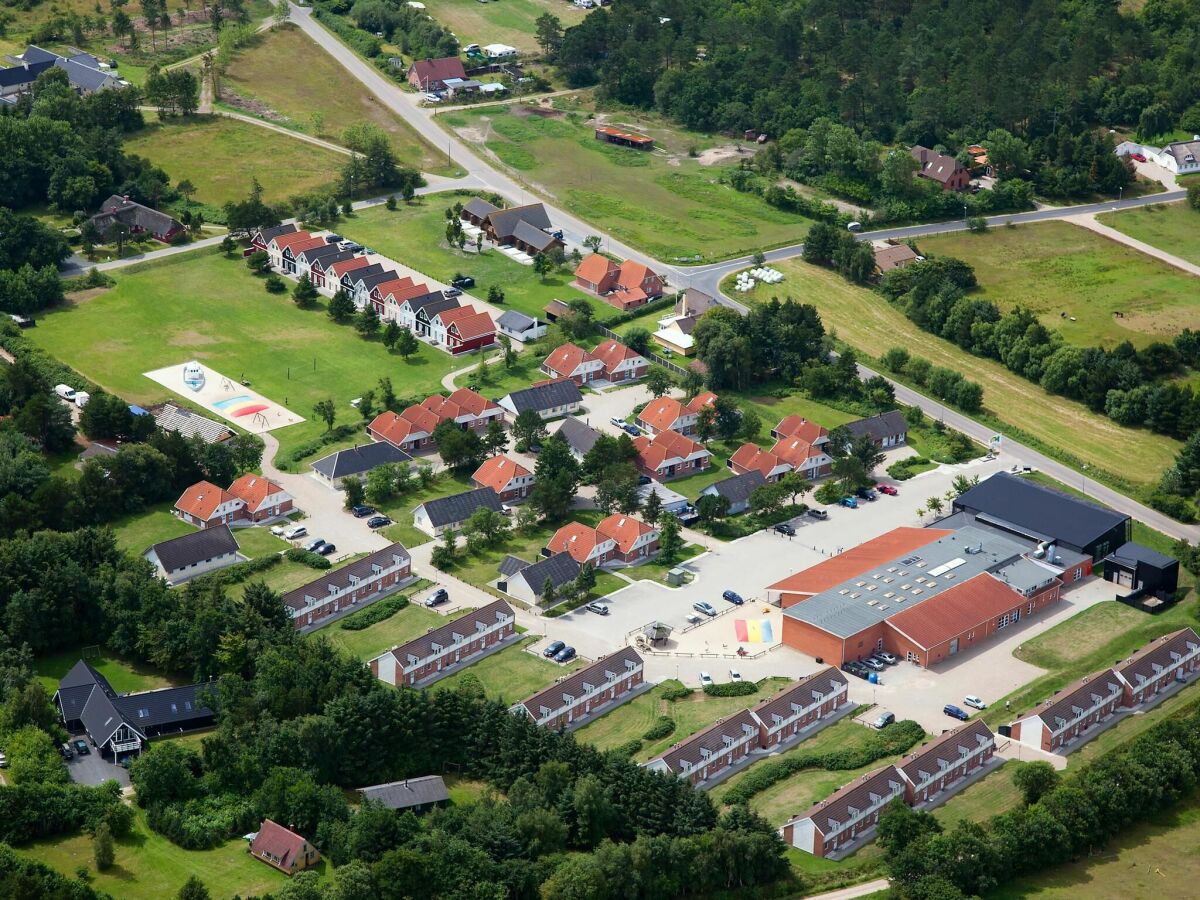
(375, 520)
(869, 494)
(876, 662)
(559, 651)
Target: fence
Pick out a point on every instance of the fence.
(653, 357)
(1143, 600)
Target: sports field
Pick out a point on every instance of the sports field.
(866, 321)
(662, 201)
(203, 306)
(221, 156)
(286, 78)
(1173, 227)
(1063, 272)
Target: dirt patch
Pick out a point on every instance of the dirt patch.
(78, 298)
(252, 107)
(714, 155)
(191, 339)
(473, 135)
(544, 112)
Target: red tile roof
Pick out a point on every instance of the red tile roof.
(202, 499)
(623, 529)
(393, 285)
(447, 317)
(800, 427)
(613, 353)
(253, 490)
(661, 414)
(594, 268)
(298, 247)
(701, 400)
(339, 269)
(497, 472)
(397, 428)
(566, 358)
(751, 457)
(956, 610)
(276, 841)
(663, 446)
(476, 325)
(435, 70)
(469, 401)
(284, 241)
(856, 560)
(632, 274)
(795, 451)
(576, 539)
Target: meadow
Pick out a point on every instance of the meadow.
(512, 674)
(1168, 226)
(507, 22)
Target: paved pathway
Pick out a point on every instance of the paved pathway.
(858, 890)
(1090, 222)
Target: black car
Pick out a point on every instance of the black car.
(333, 238)
(66, 751)
(463, 281)
(643, 480)
(81, 747)
(327, 549)
(818, 514)
(438, 597)
(552, 649)
(378, 521)
(360, 511)
(785, 528)
(866, 493)
(732, 597)
(564, 655)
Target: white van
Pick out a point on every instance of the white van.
(854, 227)
(65, 391)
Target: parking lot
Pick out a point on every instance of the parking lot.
(93, 769)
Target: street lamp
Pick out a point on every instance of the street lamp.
(1083, 479)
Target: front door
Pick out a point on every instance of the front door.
(953, 646)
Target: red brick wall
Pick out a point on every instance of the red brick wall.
(624, 686)
(410, 676)
(813, 641)
(826, 709)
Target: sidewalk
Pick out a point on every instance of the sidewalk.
(1090, 222)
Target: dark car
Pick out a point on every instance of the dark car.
(81, 747)
(951, 710)
(866, 493)
(565, 654)
(732, 597)
(632, 429)
(552, 649)
(818, 514)
(785, 528)
(463, 281)
(378, 521)
(856, 668)
(360, 512)
(333, 238)
(438, 597)
(327, 549)
(644, 479)
(66, 751)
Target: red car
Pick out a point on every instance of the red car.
(886, 489)
(1138, 156)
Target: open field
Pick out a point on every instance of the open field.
(415, 235)
(509, 22)
(1170, 227)
(220, 156)
(202, 306)
(1157, 860)
(866, 321)
(149, 867)
(124, 676)
(512, 674)
(1054, 268)
(399, 628)
(293, 94)
(990, 796)
(670, 206)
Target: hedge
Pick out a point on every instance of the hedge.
(676, 693)
(310, 559)
(239, 572)
(46, 366)
(897, 738)
(29, 812)
(902, 470)
(664, 727)
(731, 689)
(374, 613)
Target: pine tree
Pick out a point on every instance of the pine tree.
(341, 307)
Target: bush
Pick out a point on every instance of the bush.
(243, 571)
(310, 559)
(829, 492)
(731, 689)
(1176, 507)
(676, 693)
(627, 749)
(374, 613)
(902, 470)
(664, 727)
(274, 285)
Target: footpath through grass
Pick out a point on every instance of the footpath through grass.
(1173, 227)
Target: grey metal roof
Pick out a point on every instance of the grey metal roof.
(458, 507)
(369, 281)
(1038, 510)
(738, 488)
(156, 710)
(339, 579)
(356, 460)
(672, 501)
(101, 717)
(579, 436)
(35, 54)
(533, 236)
(432, 303)
(85, 77)
(208, 543)
(559, 568)
(511, 320)
(480, 208)
(76, 686)
(408, 793)
(880, 426)
(170, 417)
(546, 396)
(268, 234)
(899, 584)
(511, 565)
(1131, 553)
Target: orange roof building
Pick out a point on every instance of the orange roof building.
(264, 499)
(753, 458)
(625, 286)
(510, 480)
(634, 539)
(800, 427)
(204, 504)
(619, 363)
(572, 361)
(584, 543)
(669, 414)
(670, 454)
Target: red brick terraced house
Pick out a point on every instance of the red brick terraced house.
(799, 706)
(635, 540)
(602, 685)
(466, 408)
(670, 455)
(425, 659)
(363, 580)
(410, 431)
(753, 458)
(282, 848)
(807, 458)
(935, 771)
(706, 756)
(586, 545)
(263, 499)
(205, 505)
(839, 821)
(668, 414)
(511, 481)
(573, 362)
(620, 364)
(1161, 663)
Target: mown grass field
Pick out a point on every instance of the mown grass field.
(512, 674)
(1054, 268)
(667, 205)
(220, 157)
(501, 21)
(415, 234)
(867, 322)
(990, 796)
(124, 676)
(399, 628)
(1169, 226)
(203, 306)
(315, 83)
(149, 867)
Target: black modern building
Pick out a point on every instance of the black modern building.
(1141, 569)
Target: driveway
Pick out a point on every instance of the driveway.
(94, 769)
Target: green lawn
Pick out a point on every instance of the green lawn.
(415, 234)
(1131, 727)
(125, 676)
(292, 94)
(400, 628)
(138, 532)
(513, 674)
(508, 22)
(1168, 226)
(691, 485)
(203, 306)
(993, 794)
(149, 867)
(656, 569)
(400, 510)
(1053, 268)
(866, 321)
(221, 156)
(662, 202)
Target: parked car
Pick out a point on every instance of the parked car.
(854, 227)
(888, 489)
(564, 655)
(883, 720)
(440, 596)
(378, 521)
(600, 609)
(618, 422)
(733, 597)
(705, 679)
(818, 514)
(66, 751)
(972, 700)
(644, 479)
(327, 549)
(890, 658)
(873, 664)
(849, 502)
(361, 512)
(735, 675)
(853, 667)
(314, 545)
(632, 429)
(452, 292)
(951, 710)
(295, 532)
(785, 528)
(278, 530)
(64, 392)
(866, 494)
(703, 606)
(465, 282)
(81, 747)
(333, 238)
(1140, 157)
(552, 649)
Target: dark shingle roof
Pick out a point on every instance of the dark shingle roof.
(948, 750)
(1131, 553)
(458, 507)
(165, 707)
(534, 237)
(1009, 500)
(511, 565)
(35, 54)
(340, 579)
(466, 625)
(408, 793)
(180, 552)
(118, 209)
(268, 234)
(612, 667)
(579, 436)
(369, 281)
(432, 303)
(559, 568)
(546, 396)
(357, 460)
(802, 693)
(715, 739)
(880, 426)
(512, 320)
(86, 77)
(77, 685)
(23, 74)
(738, 488)
(480, 208)
(505, 221)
